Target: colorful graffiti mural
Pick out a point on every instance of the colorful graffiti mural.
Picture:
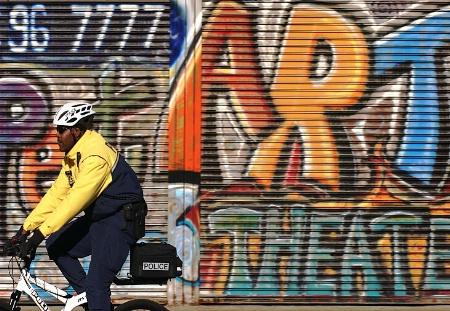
(184, 153)
(331, 150)
(115, 56)
(322, 170)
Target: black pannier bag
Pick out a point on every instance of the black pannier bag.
(155, 263)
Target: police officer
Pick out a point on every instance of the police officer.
(93, 186)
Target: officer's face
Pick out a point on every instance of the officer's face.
(66, 137)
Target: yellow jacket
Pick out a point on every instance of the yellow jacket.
(87, 171)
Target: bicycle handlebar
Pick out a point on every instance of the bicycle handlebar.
(12, 249)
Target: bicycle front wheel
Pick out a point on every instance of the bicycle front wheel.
(141, 304)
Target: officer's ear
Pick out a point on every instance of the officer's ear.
(77, 133)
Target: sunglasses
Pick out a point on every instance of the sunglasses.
(61, 129)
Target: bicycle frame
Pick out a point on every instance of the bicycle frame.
(25, 285)
(29, 284)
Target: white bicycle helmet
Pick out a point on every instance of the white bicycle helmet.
(75, 113)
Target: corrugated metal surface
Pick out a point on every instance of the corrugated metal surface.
(325, 151)
(113, 54)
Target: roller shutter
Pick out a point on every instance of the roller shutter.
(113, 54)
(325, 152)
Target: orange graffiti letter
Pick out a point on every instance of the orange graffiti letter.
(303, 101)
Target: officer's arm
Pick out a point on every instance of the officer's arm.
(51, 200)
(93, 178)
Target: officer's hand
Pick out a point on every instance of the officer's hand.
(8, 249)
(19, 238)
(28, 249)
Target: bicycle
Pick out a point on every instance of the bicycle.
(70, 302)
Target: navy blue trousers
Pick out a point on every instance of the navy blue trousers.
(107, 241)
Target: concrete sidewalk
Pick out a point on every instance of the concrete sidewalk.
(301, 307)
(308, 308)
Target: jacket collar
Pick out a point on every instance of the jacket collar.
(76, 148)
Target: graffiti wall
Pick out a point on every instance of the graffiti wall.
(291, 150)
(115, 56)
(184, 152)
(325, 151)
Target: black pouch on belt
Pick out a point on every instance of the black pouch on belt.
(135, 212)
